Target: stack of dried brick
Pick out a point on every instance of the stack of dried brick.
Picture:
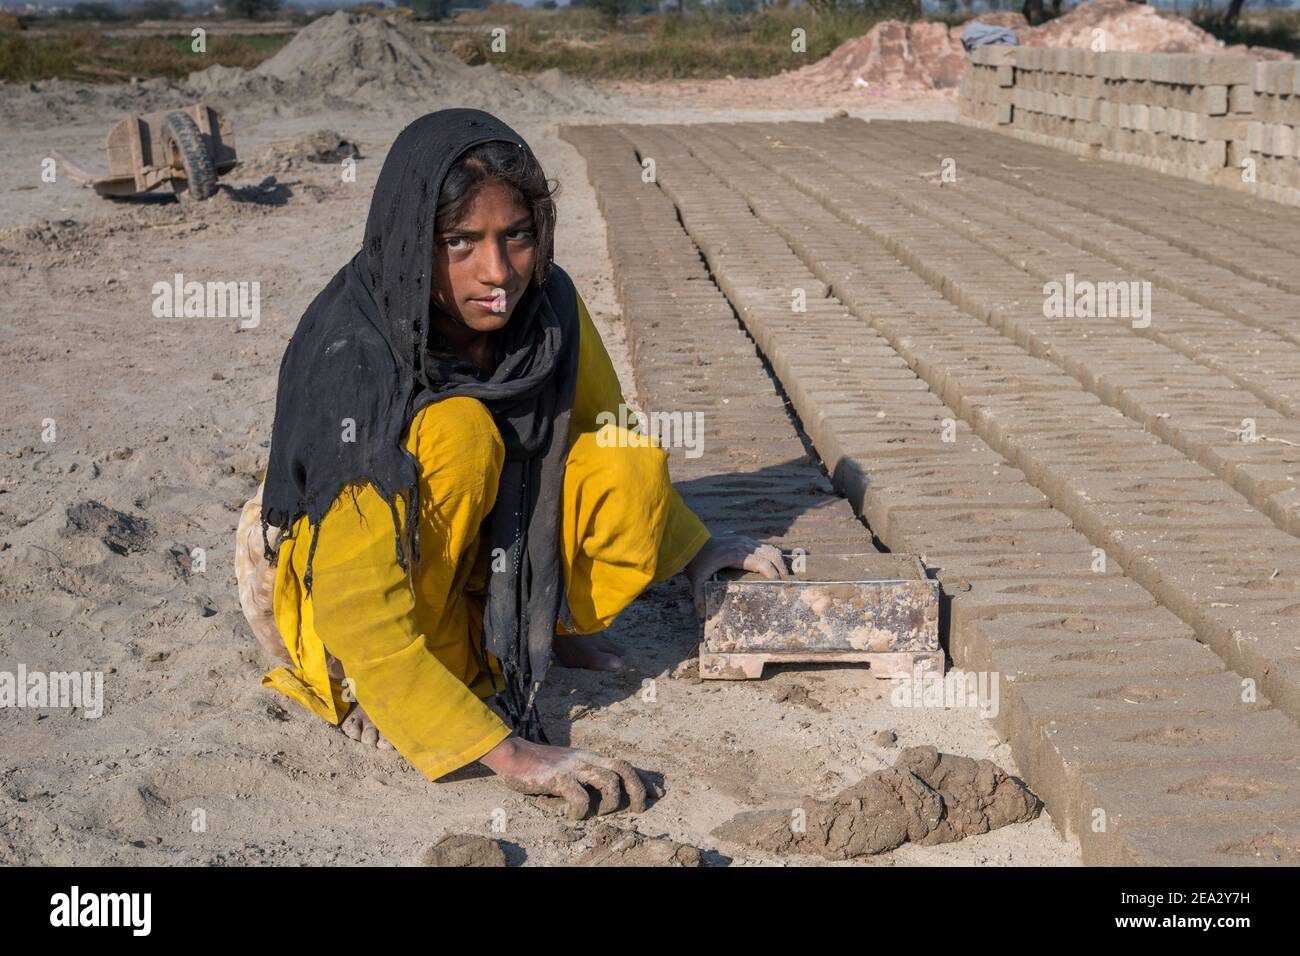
(1227, 120)
(1272, 137)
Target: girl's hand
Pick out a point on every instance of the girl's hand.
(566, 772)
(732, 551)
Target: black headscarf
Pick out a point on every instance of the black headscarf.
(362, 363)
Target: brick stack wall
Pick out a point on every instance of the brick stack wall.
(1225, 120)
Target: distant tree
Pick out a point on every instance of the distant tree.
(91, 11)
(155, 10)
(614, 9)
(431, 9)
(1233, 13)
(906, 9)
(251, 9)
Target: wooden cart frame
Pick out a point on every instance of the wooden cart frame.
(187, 148)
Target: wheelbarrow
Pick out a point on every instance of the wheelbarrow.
(186, 148)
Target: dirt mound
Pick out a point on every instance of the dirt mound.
(927, 797)
(1134, 28)
(891, 55)
(345, 53)
(898, 57)
(349, 56)
(1128, 27)
(894, 55)
(378, 61)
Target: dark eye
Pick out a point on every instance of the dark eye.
(521, 235)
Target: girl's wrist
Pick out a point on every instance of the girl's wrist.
(501, 756)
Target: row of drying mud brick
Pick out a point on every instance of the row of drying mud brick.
(751, 472)
(1141, 742)
(1210, 254)
(1226, 120)
(1213, 369)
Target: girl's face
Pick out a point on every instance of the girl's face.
(482, 264)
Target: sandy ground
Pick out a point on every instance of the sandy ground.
(166, 421)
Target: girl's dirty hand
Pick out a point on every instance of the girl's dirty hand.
(566, 772)
(732, 551)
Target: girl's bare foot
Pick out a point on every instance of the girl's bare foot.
(358, 726)
(591, 652)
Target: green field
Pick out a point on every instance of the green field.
(699, 44)
(580, 42)
(84, 53)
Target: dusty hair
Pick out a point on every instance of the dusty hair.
(519, 170)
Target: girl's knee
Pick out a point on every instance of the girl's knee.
(626, 464)
(640, 468)
(457, 435)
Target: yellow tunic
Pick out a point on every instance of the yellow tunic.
(412, 661)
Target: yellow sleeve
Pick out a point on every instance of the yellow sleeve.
(598, 391)
(365, 614)
(597, 388)
(684, 535)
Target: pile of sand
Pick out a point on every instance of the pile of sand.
(892, 55)
(1128, 28)
(383, 65)
(350, 55)
(897, 57)
(1133, 28)
(372, 61)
